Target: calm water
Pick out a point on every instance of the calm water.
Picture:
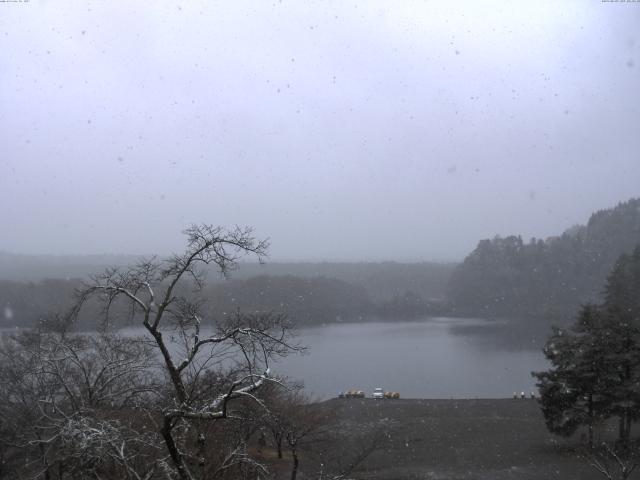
(428, 359)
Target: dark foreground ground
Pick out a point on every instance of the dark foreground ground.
(459, 439)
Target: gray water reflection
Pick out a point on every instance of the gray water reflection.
(418, 359)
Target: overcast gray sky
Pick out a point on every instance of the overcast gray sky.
(341, 130)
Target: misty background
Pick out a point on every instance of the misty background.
(440, 183)
(340, 130)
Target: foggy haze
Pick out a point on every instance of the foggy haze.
(340, 130)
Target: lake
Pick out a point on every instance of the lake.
(434, 358)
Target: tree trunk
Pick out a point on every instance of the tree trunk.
(202, 440)
(174, 453)
(621, 424)
(279, 446)
(174, 374)
(46, 473)
(624, 427)
(591, 421)
(294, 469)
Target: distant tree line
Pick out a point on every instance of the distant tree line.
(25, 304)
(506, 277)
(307, 300)
(381, 280)
(553, 277)
(310, 301)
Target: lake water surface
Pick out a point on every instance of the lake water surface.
(434, 358)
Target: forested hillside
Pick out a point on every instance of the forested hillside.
(305, 300)
(310, 293)
(383, 281)
(552, 277)
(502, 277)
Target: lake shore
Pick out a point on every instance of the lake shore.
(486, 439)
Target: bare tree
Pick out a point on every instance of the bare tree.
(294, 422)
(66, 403)
(281, 402)
(613, 462)
(311, 436)
(162, 296)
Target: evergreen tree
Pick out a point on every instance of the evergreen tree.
(622, 356)
(572, 392)
(595, 370)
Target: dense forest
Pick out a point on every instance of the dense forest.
(310, 293)
(382, 280)
(552, 277)
(307, 300)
